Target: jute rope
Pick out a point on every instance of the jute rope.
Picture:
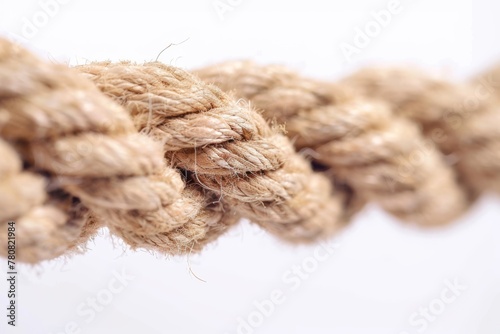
(173, 162)
(69, 149)
(226, 147)
(460, 119)
(362, 142)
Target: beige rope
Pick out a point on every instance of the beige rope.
(176, 162)
(461, 119)
(229, 149)
(76, 142)
(382, 156)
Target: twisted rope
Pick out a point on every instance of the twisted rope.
(227, 147)
(383, 157)
(81, 150)
(460, 119)
(173, 162)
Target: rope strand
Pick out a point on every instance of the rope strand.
(229, 148)
(173, 162)
(362, 142)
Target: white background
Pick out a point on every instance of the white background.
(382, 271)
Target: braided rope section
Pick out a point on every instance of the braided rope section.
(381, 156)
(72, 161)
(49, 223)
(226, 147)
(169, 162)
(460, 119)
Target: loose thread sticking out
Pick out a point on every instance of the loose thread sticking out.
(171, 162)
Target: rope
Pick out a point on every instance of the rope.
(84, 166)
(226, 147)
(364, 143)
(168, 162)
(460, 119)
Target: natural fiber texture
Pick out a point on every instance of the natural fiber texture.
(381, 156)
(227, 148)
(461, 119)
(47, 224)
(176, 161)
(81, 151)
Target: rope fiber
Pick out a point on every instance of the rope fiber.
(169, 160)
